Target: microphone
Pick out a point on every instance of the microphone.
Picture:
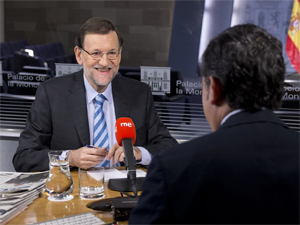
(126, 135)
(120, 206)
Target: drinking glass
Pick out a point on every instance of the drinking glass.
(59, 184)
(91, 183)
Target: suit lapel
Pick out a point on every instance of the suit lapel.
(122, 105)
(77, 104)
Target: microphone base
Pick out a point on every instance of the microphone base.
(124, 184)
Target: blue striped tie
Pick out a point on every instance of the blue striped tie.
(100, 128)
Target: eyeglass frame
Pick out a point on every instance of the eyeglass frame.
(100, 56)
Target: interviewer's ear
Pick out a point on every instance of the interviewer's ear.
(215, 89)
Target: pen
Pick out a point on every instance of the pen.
(105, 162)
(89, 146)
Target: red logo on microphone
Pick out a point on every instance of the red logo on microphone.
(126, 124)
(125, 129)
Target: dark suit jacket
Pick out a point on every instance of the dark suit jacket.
(58, 120)
(247, 172)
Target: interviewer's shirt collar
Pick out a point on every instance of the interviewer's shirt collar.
(91, 93)
(231, 114)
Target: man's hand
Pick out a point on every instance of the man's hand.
(117, 152)
(86, 157)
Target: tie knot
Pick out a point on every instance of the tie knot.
(99, 99)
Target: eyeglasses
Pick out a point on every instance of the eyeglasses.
(98, 55)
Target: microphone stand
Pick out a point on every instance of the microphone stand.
(131, 183)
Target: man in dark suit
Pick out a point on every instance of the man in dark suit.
(61, 117)
(247, 170)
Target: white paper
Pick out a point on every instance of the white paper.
(115, 174)
(95, 174)
(139, 173)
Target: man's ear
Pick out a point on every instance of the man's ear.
(120, 54)
(215, 91)
(78, 55)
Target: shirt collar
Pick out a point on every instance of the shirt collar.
(91, 93)
(231, 114)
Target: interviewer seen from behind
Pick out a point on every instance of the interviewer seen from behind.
(247, 170)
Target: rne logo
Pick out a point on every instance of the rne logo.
(126, 124)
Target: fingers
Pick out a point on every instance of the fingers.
(95, 150)
(112, 151)
(86, 157)
(91, 164)
(88, 164)
(118, 154)
(137, 153)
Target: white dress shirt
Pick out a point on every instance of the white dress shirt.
(110, 117)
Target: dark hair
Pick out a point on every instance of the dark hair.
(248, 62)
(96, 25)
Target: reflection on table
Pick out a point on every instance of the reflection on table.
(42, 209)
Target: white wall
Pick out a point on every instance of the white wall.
(8, 147)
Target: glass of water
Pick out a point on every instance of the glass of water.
(91, 183)
(59, 183)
